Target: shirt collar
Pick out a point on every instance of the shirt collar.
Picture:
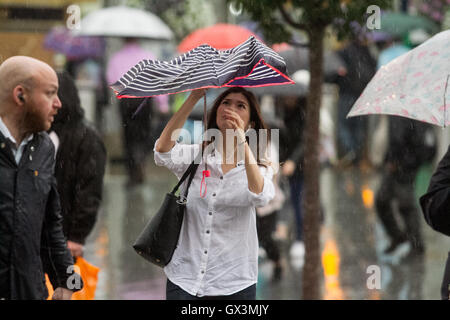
(7, 134)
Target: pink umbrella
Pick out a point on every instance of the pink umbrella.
(414, 85)
(126, 58)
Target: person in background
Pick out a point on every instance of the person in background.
(80, 166)
(31, 233)
(410, 144)
(352, 132)
(291, 157)
(136, 127)
(267, 219)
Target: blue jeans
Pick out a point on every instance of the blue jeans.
(174, 292)
(296, 186)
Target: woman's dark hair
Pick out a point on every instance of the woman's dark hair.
(255, 117)
(71, 110)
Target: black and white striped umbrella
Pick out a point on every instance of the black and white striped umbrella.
(251, 64)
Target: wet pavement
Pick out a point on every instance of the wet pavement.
(353, 265)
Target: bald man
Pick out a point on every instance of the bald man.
(31, 236)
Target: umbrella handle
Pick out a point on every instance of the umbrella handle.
(140, 107)
(205, 125)
(205, 174)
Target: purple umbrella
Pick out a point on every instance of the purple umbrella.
(61, 40)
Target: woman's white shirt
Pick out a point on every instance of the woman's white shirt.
(217, 252)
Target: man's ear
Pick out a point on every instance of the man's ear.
(19, 95)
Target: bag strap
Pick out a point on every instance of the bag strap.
(189, 171)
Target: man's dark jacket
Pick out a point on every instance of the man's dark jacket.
(435, 203)
(31, 236)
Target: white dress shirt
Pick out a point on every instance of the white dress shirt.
(17, 151)
(217, 252)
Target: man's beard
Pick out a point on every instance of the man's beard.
(34, 121)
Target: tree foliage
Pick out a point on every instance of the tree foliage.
(278, 18)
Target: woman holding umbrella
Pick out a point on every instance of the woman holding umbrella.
(217, 253)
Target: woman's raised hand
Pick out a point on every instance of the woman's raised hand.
(197, 93)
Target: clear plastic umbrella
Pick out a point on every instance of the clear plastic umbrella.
(125, 22)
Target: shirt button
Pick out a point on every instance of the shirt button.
(207, 231)
(2, 145)
(32, 148)
(203, 271)
(221, 178)
(214, 194)
(210, 213)
(205, 252)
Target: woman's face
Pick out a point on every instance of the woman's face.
(237, 103)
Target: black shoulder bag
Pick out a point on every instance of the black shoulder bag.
(158, 240)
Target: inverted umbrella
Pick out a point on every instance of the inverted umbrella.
(414, 85)
(221, 36)
(250, 64)
(62, 40)
(122, 21)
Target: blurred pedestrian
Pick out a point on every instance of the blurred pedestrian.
(352, 132)
(291, 157)
(409, 146)
(217, 254)
(32, 240)
(389, 49)
(136, 127)
(267, 219)
(80, 166)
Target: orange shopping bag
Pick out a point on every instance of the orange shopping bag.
(89, 274)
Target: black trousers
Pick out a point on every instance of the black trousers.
(401, 189)
(136, 135)
(266, 226)
(174, 292)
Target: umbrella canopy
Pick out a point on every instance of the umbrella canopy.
(61, 40)
(399, 24)
(122, 21)
(300, 88)
(221, 36)
(251, 64)
(414, 85)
